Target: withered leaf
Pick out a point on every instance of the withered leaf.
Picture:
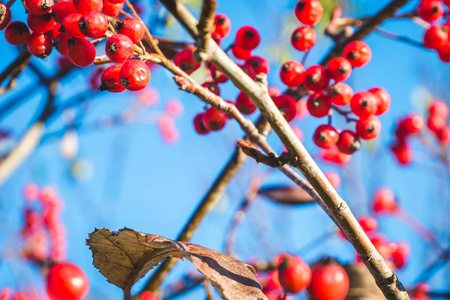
(362, 284)
(286, 195)
(125, 256)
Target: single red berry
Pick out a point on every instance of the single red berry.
(435, 37)
(443, 136)
(382, 245)
(60, 43)
(93, 24)
(70, 26)
(368, 128)
(358, 53)
(5, 16)
(240, 53)
(258, 64)
(349, 142)
(55, 31)
(110, 79)
(119, 48)
(340, 93)
(318, 104)
(84, 6)
(383, 100)
(400, 253)
(134, 75)
(249, 71)
(430, 10)
(199, 124)
(40, 23)
(62, 9)
(402, 152)
(329, 282)
(244, 104)
(384, 201)
(335, 156)
(147, 295)
(217, 75)
(215, 119)
(316, 78)
(325, 136)
(40, 45)
(185, 60)
(291, 73)
(411, 124)
(286, 104)
(438, 107)
(212, 86)
(363, 104)
(17, 33)
(222, 26)
(293, 273)
(444, 52)
(339, 69)
(131, 27)
(80, 51)
(420, 291)
(309, 12)
(247, 38)
(39, 7)
(67, 281)
(303, 38)
(112, 9)
(436, 123)
(368, 224)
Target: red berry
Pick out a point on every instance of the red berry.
(112, 9)
(244, 104)
(119, 48)
(249, 71)
(80, 51)
(93, 24)
(411, 124)
(212, 86)
(400, 254)
(349, 142)
(258, 64)
(84, 6)
(291, 73)
(438, 107)
(60, 43)
(325, 136)
(335, 156)
(40, 45)
(303, 38)
(436, 123)
(273, 92)
(134, 75)
(62, 9)
(222, 26)
(444, 52)
(383, 99)
(5, 16)
(55, 31)
(17, 33)
(70, 26)
(358, 53)
(368, 224)
(340, 93)
(185, 60)
(339, 69)
(402, 152)
(110, 79)
(40, 23)
(334, 179)
(435, 37)
(286, 104)
(443, 136)
(318, 104)
(309, 12)
(119, 2)
(363, 104)
(420, 291)
(293, 273)
(147, 295)
(247, 38)
(39, 7)
(132, 28)
(384, 201)
(199, 124)
(430, 10)
(329, 282)
(215, 119)
(382, 245)
(368, 128)
(240, 53)
(217, 75)
(67, 281)
(316, 78)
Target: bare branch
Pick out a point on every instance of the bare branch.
(19, 63)
(205, 26)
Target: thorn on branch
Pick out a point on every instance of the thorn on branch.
(270, 160)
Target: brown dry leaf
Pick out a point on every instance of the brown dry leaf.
(362, 284)
(286, 195)
(125, 256)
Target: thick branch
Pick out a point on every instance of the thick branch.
(205, 26)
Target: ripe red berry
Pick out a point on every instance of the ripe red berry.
(436, 123)
(293, 273)
(291, 73)
(420, 291)
(363, 104)
(119, 48)
(40, 45)
(17, 33)
(303, 38)
(384, 201)
(147, 295)
(40, 23)
(258, 64)
(62, 9)
(247, 38)
(222, 26)
(60, 43)
(212, 86)
(185, 60)
(134, 75)
(438, 107)
(112, 9)
(340, 93)
(309, 12)
(368, 128)
(435, 37)
(400, 253)
(349, 142)
(444, 52)
(80, 51)
(443, 136)
(110, 79)
(383, 99)
(249, 71)
(67, 281)
(217, 75)
(325, 136)
(318, 104)
(316, 78)
(430, 10)
(358, 53)
(286, 104)
(199, 124)
(39, 7)
(411, 124)
(240, 53)
(5, 16)
(368, 224)
(329, 282)
(93, 24)
(244, 104)
(215, 119)
(402, 152)
(84, 6)
(70, 26)
(339, 69)
(132, 28)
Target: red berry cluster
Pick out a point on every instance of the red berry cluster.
(308, 12)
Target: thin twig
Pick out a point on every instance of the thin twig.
(399, 38)
(22, 59)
